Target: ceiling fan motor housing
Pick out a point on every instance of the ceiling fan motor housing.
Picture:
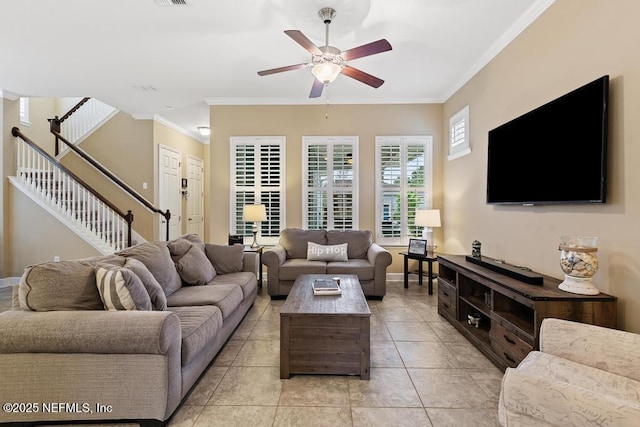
(327, 14)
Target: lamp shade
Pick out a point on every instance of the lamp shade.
(326, 72)
(254, 213)
(428, 217)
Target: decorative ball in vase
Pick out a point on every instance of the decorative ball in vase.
(579, 262)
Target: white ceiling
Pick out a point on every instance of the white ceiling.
(174, 61)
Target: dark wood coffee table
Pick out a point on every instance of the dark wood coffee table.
(325, 334)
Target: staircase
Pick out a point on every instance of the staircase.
(82, 120)
(67, 198)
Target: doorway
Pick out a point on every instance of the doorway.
(195, 196)
(169, 197)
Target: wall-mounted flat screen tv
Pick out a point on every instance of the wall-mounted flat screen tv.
(555, 154)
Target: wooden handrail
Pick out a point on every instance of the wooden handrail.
(166, 214)
(128, 217)
(73, 110)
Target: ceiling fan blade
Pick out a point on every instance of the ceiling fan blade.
(281, 69)
(303, 41)
(372, 48)
(316, 89)
(354, 73)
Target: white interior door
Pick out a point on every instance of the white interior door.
(195, 196)
(170, 170)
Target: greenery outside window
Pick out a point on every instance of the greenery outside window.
(404, 178)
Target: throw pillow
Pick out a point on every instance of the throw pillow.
(121, 289)
(156, 257)
(225, 259)
(195, 239)
(64, 285)
(316, 252)
(192, 263)
(156, 294)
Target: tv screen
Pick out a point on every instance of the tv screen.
(555, 154)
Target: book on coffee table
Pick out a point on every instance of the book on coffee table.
(326, 287)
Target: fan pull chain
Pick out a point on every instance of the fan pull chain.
(326, 95)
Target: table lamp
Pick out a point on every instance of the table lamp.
(255, 214)
(428, 218)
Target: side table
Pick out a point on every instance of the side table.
(258, 251)
(429, 258)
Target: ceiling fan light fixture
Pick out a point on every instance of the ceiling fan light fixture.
(326, 72)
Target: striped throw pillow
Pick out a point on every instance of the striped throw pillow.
(121, 289)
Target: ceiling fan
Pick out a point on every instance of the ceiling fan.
(328, 61)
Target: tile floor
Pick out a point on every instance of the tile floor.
(423, 373)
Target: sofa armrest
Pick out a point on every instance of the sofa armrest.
(529, 399)
(274, 257)
(611, 350)
(380, 258)
(101, 332)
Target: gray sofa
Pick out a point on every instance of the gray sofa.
(61, 346)
(290, 258)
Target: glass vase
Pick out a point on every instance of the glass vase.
(579, 263)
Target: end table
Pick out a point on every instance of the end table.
(258, 251)
(429, 258)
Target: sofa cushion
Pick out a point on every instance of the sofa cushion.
(246, 280)
(294, 241)
(360, 267)
(156, 294)
(192, 264)
(358, 241)
(199, 326)
(156, 257)
(64, 285)
(292, 268)
(225, 258)
(121, 289)
(316, 252)
(226, 297)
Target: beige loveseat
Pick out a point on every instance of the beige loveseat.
(291, 257)
(583, 375)
(63, 356)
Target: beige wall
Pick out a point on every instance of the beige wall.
(36, 236)
(572, 43)
(295, 121)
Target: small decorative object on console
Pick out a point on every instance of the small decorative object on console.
(475, 249)
(579, 262)
(474, 319)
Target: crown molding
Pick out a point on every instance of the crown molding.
(536, 9)
(306, 101)
(9, 95)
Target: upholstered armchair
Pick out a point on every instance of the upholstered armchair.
(583, 375)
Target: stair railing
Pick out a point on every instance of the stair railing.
(55, 130)
(78, 122)
(75, 198)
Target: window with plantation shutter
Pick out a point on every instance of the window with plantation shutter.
(257, 177)
(459, 134)
(24, 111)
(404, 177)
(330, 194)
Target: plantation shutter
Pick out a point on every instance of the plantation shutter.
(330, 187)
(403, 184)
(257, 177)
(459, 134)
